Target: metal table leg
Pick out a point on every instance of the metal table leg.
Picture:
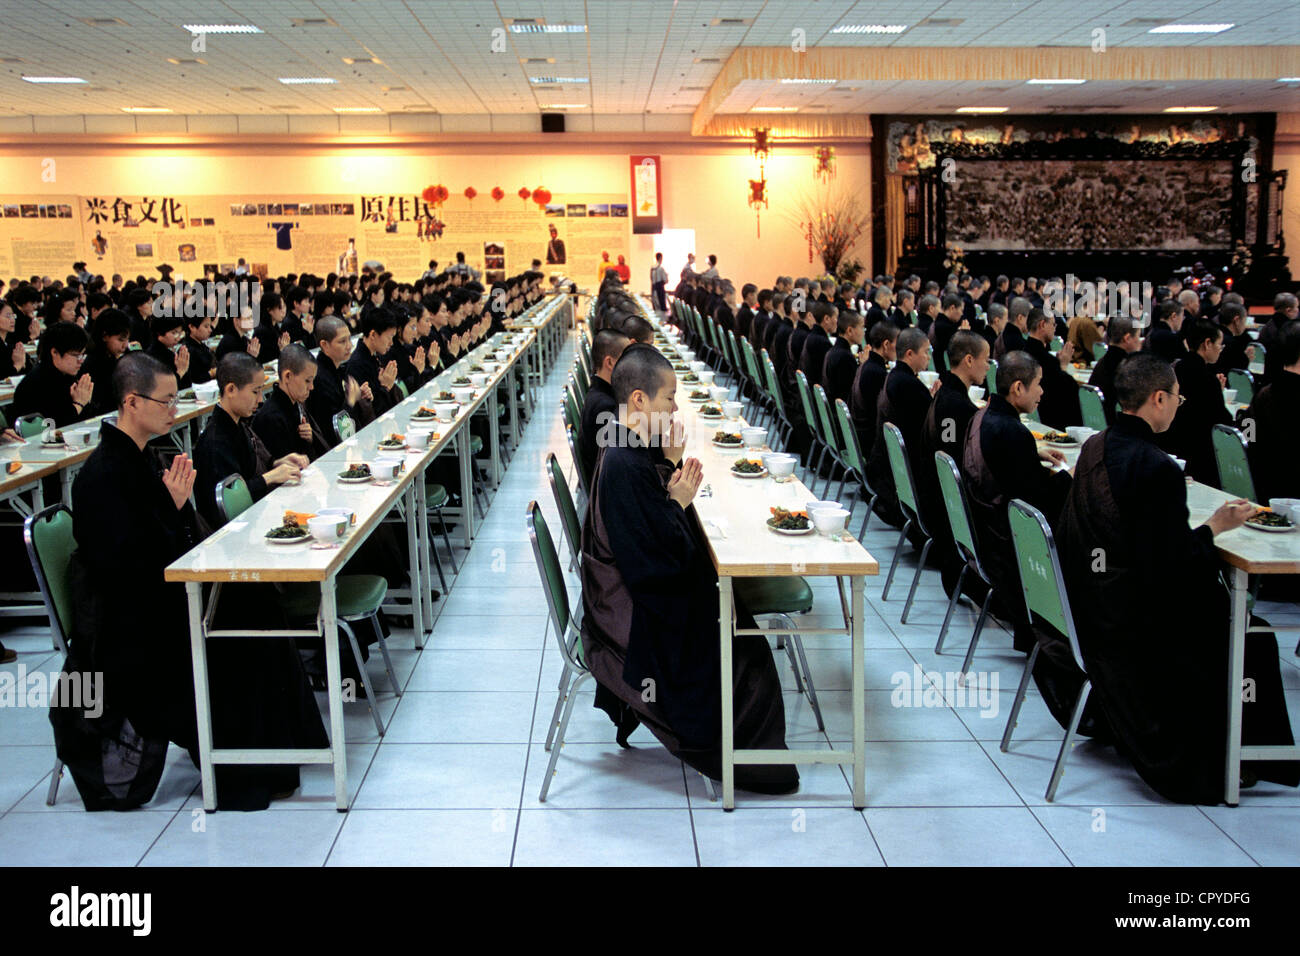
(466, 483)
(202, 700)
(494, 437)
(858, 624)
(728, 707)
(413, 557)
(333, 674)
(426, 561)
(1236, 671)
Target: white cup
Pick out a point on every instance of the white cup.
(928, 378)
(829, 521)
(463, 394)
(779, 466)
(445, 411)
(327, 528)
(1230, 395)
(753, 437)
(696, 365)
(687, 355)
(385, 469)
(1080, 433)
(478, 379)
(732, 410)
(706, 376)
(347, 513)
(1287, 507)
(719, 393)
(418, 437)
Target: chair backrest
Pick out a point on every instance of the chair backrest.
(571, 434)
(773, 388)
(557, 595)
(957, 508)
(233, 497)
(991, 378)
(1098, 351)
(581, 377)
(849, 434)
(1058, 343)
(403, 388)
(1033, 416)
(569, 521)
(4, 422)
(1041, 579)
(902, 472)
(49, 540)
(29, 426)
(737, 359)
(1092, 407)
(1244, 383)
(751, 363)
(824, 417)
(1234, 465)
(572, 411)
(344, 426)
(805, 398)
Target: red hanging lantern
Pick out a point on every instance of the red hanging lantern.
(440, 194)
(524, 193)
(498, 193)
(757, 199)
(541, 196)
(429, 194)
(470, 193)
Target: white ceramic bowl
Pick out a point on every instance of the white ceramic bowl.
(1229, 395)
(719, 393)
(418, 437)
(706, 376)
(732, 409)
(687, 356)
(503, 356)
(347, 513)
(445, 411)
(1079, 433)
(206, 391)
(463, 393)
(696, 365)
(779, 466)
(1288, 507)
(327, 528)
(754, 437)
(385, 469)
(976, 393)
(490, 368)
(829, 521)
(812, 506)
(478, 379)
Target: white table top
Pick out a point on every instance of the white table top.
(240, 551)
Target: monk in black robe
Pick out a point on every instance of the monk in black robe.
(1153, 621)
(1276, 414)
(1123, 341)
(841, 362)
(1201, 388)
(378, 329)
(813, 356)
(1000, 462)
(650, 596)
(130, 521)
(599, 409)
(868, 383)
(1060, 405)
(282, 422)
(57, 388)
(903, 402)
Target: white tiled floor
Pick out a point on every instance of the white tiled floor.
(455, 780)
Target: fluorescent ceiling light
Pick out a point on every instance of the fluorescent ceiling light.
(1055, 82)
(1192, 28)
(870, 28)
(1190, 109)
(774, 109)
(145, 109)
(1288, 79)
(548, 28)
(564, 106)
(808, 81)
(353, 60)
(301, 80)
(53, 79)
(558, 79)
(357, 109)
(982, 109)
(197, 28)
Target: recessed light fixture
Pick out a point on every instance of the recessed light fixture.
(1192, 28)
(1288, 79)
(197, 28)
(799, 80)
(306, 80)
(774, 109)
(1190, 109)
(982, 109)
(177, 61)
(353, 60)
(522, 25)
(53, 79)
(558, 79)
(563, 106)
(357, 109)
(1055, 82)
(870, 28)
(145, 109)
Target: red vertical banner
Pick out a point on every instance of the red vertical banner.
(647, 195)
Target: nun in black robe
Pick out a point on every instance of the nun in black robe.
(1153, 624)
(131, 626)
(650, 596)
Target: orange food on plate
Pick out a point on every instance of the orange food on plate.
(797, 514)
(13, 467)
(299, 518)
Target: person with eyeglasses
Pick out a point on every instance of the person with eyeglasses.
(57, 388)
(1150, 608)
(131, 518)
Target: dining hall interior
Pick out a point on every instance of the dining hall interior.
(679, 433)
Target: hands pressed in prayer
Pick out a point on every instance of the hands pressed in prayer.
(685, 482)
(284, 339)
(19, 356)
(254, 346)
(1229, 515)
(179, 480)
(1223, 380)
(674, 443)
(388, 375)
(366, 392)
(308, 323)
(433, 352)
(419, 360)
(351, 391)
(1066, 354)
(183, 360)
(81, 390)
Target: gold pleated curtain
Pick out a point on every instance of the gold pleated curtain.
(893, 223)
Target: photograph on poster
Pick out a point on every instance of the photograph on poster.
(618, 210)
(144, 250)
(598, 209)
(493, 249)
(576, 210)
(555, 210)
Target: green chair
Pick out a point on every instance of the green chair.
(1092, 407)
(854, 459)
(344, 426)
(30, 426)
(813, 468)
(571, 409)
(436, 498)
(781, 420)
(357, 597)
(780, 597)
(568, 639)
(826, 425)
(403, 389)
(991, 379)
(758, 394)
(1043, 585)
(1257, 364)
(1244, 383)
(1234, 465)
(1058, 343)
(579, 464)
(932, 367)
(963, 533)
(48, 536)
(906, 490)
(582, 379)
(1098, 351)
(570, 523)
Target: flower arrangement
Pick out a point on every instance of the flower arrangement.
(833, 224)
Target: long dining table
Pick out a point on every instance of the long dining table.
(733, 511)
(240, 552)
